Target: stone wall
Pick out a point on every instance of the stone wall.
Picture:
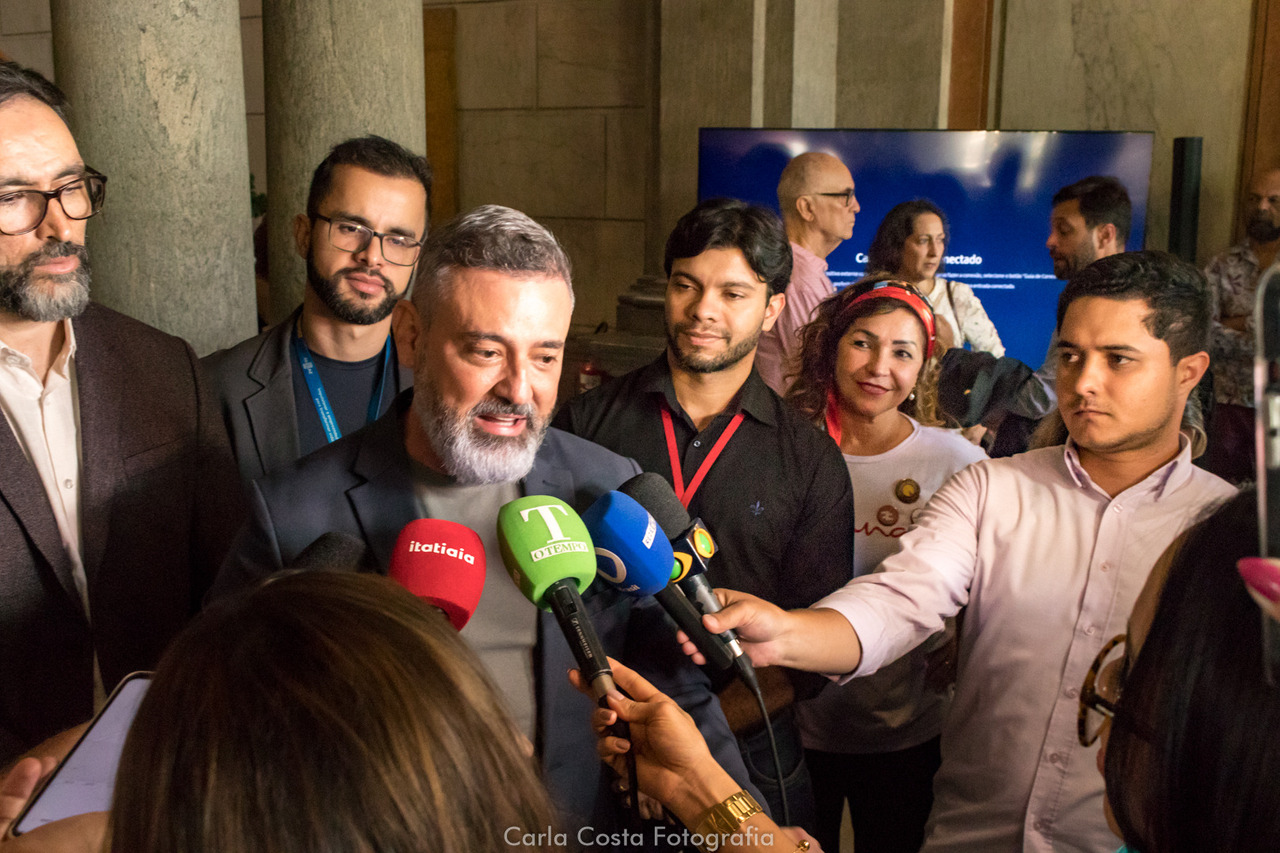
(555, 103)
(1178, 67)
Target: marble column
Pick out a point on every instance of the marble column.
(157, 104)
(355, 69)
(894, 63)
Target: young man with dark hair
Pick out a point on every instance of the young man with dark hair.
(331, 366)
(771, 488)
(1048, 550)
(1090, 220)
(118, 494)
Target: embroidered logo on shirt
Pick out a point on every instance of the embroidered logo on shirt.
(756, 508)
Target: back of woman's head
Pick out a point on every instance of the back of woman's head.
(322, 711)
(1193, 756)
(820, 345)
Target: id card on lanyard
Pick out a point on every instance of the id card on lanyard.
(677, 471)
(321, 400)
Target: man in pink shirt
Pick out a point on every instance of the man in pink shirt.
(1047, 550)
(815, 194)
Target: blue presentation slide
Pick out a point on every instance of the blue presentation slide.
(996, 188)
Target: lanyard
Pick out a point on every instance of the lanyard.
(677, 472)
(321, 401)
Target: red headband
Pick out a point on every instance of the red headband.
(909, 297)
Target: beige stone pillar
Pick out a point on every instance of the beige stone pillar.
(894, 63)
(738, 63)
(157, 104)
(332, 71)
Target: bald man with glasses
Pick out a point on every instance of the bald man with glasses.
(331, 366)
(816, 197)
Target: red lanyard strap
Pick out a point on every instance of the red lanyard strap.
(677, 472)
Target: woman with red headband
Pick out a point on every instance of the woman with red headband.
(868, 373)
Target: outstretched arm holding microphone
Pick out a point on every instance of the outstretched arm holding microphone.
(811, 639)
(675, 767)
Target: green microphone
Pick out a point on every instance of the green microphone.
(548, 553)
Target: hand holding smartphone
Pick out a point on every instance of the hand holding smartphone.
(85, 780)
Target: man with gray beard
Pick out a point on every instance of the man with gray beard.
(105, 420)
(485, 335)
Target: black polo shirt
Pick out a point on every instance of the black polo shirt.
(777, 500)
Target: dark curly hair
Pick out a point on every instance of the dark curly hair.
(820, 343)
(885, 254)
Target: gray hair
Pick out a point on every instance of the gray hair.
(491, 237)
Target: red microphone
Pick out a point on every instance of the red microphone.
(442, 563)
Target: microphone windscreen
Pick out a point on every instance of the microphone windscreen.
(632, 553)
(332, 552)
(654, 493)
(441, 562)
(543, 541)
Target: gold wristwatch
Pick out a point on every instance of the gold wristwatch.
(724, 818)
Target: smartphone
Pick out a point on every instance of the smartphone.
(1266, 386)
(85, 780)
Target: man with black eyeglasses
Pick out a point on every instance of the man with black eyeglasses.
(815, 195)
(118, 493)
(331, 367)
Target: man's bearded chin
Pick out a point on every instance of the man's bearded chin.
(46, 298)
(1261, 229)
(353, 311)
(471, 455)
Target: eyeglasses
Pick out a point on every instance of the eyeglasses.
(847, 195)
(352, 237)
(22, 211)
(1101, 690)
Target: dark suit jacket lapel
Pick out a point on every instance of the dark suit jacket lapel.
(271, 411)
(22, 491)
(100, 389)
(549, 477)
(383, 499)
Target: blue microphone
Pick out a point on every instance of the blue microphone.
(634, 555)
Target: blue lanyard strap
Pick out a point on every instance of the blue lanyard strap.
(321, 401)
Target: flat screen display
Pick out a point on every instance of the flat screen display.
(996, 188)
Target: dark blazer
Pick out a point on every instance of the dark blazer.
(253, 384)
(160, 500)
(361, 485)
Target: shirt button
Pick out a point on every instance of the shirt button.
(1056, 758)
(1039, 826)
(697, 443)
(1106, 567)
(1090, 630)
(1072, 692)
(1117, 508)
(68, 483)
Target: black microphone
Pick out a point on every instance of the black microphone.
(692, 546)
(332, 552)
